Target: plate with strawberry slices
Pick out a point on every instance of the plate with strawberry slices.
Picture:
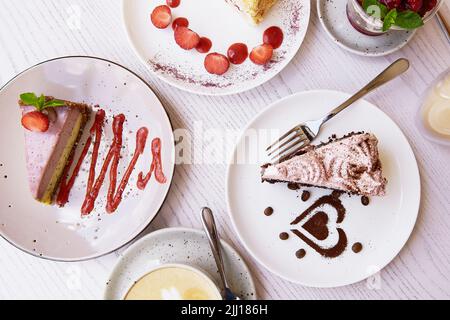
(215, 47)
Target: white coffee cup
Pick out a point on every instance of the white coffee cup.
(174, 282)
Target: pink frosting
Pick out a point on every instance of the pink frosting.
(351, 164)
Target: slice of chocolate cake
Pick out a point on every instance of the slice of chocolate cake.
(350, 164)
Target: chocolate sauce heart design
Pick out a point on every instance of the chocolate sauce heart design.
(317, 226)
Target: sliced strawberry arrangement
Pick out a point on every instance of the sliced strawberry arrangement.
(186, 38)
(173, 3)
(216, 63)
(238, 53)
(262, 54)
(204, 45)
(180, 22)
(161, 17)
(35, 121)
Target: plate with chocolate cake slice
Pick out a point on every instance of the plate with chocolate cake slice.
(335, 213)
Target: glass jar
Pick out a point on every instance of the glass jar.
(434, 114)
(373, 26)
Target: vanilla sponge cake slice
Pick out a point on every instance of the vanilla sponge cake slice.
(254, 10)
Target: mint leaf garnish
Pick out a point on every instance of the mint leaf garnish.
(390, 19)
(29, 98)
(39, 103)
(54, 103)
(375, 8)
(409, 20)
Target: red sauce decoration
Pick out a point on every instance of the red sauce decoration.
(111, 162)
(238, 53)
(173, 3)
(115, 196)
(67, 185)
(180, 22)
(155, 167)
(204, 45)
(113, 157)
(273, 36)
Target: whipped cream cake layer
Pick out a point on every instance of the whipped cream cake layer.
(254, 10)
(350, 164)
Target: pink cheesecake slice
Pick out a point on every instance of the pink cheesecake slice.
(47, 153)
(351, 164)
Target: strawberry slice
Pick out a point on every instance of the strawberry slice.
(161, 17)
(186, 38)
(173, 3)
(204, 45)
(35, 121)
(216, 63)
(262, 54)
(180, 22)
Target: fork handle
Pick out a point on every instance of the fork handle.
(393, 71)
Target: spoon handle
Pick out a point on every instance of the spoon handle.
(213, 237)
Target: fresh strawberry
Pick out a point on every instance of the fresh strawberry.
(392, 4)
(414, 5)
(428, 5)
(261, 54)
(186, 38)
(273, 36)
(173, 3)
(204, 45)
(216, 63)
(238, 53)
(161, 17)
(180, 22)
(35, 121)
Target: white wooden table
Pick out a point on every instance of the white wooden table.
(32, 31)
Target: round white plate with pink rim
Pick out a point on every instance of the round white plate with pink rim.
(223, 24)
(382, 228)
(61, 233)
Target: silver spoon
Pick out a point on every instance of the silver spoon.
(211, 231)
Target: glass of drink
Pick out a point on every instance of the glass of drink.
(434, 114)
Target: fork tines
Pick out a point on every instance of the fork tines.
(288, 144)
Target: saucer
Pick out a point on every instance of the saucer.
(178, 246)
(332, 15)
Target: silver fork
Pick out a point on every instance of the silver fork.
(303, 134)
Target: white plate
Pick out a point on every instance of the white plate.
(224, 25)
(61, 234)
(383, 227)
(179, 246)
(333, 16)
